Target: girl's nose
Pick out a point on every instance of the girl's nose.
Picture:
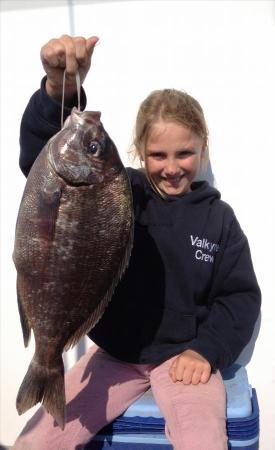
(171, 168)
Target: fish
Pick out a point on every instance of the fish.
(73, 241)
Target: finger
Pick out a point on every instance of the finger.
(53, 54)
(187, 375)
(172, 373)
(196, 377)
(71, 61)
(179, 370)
(81, 50)
(205, 375)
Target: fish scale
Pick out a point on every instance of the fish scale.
(73, 239)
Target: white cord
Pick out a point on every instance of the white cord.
(77, 77)
(78, 88)
(63, 95)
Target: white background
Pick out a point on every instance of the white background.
(221, 52)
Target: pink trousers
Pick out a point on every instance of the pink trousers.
(99, 388)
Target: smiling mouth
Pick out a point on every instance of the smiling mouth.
(175, 180)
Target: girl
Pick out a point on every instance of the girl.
(188, 301)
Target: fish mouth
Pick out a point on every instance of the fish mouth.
(89, 117)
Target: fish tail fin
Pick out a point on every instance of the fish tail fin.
(45, 385)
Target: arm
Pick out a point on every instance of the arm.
(234, 308)
(42, 116)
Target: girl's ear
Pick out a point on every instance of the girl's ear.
(141, 155)
(204, 158)
(204, 151)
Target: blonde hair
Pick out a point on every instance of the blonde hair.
(169, 105)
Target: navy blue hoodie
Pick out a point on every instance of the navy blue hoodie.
(190, 283)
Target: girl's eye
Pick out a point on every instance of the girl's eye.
(185, 153)
(156, 155)
(93, 148)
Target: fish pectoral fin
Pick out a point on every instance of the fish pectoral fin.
(26, 329)
(48, 206)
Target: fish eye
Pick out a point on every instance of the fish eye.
(93, 148)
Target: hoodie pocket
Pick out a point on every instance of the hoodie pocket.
(175, 327)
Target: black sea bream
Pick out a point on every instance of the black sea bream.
(73, 241)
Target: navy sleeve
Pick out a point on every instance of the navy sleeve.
(235, 301)
(40, 121)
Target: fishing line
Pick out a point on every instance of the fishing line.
(77, 77)
(78, 88)
(72, 33)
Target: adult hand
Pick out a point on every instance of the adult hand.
(70, 53)
(191, 368)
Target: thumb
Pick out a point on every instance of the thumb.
(90, 44)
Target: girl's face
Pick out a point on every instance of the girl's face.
(173, 155)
